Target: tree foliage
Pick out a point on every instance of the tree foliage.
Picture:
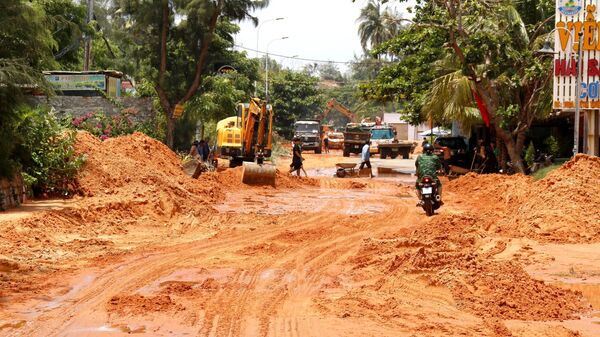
(179, 42)
(376, 24)
(295, 96)
(483, 47)
(26, 47)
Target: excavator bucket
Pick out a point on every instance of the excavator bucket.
(258, 174)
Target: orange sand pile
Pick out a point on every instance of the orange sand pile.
(444, 252)
(486, 188)
(563, 206)
(558, 208)
(138, 166)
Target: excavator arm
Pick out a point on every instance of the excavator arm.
(333, 104)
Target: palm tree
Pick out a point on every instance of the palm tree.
(377, 25)
(371, 29)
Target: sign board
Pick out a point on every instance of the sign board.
(572, 18)
(77, 82)
(178, 111)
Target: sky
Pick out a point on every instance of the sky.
(316, 29)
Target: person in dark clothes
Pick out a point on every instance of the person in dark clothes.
(297, 159)
(206, 149)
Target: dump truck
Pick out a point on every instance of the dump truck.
(355, 137)
(246, 140)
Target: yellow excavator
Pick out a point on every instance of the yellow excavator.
(246, 139)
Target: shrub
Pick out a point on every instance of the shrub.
(104, 127)
(552, 146)
(46, 153)
(530, 154)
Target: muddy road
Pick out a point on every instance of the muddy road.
(312, 257)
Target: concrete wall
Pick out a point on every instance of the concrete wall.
(80, 105)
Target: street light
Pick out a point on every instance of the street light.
(257, 39)
(547, 49)
(267, 66)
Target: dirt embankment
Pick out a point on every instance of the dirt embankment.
(448, 252)
(559, 208)
(130, 185)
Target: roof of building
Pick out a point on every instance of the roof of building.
(112, 73)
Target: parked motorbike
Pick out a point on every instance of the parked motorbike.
(540, 161)
(430, 198)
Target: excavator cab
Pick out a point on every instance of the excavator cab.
(247, 140)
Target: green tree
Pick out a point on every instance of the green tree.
(376, 25)
(487, 48)
(174, 40)
(27, 47)
(295, 96)
(67, 21)
(330, 72)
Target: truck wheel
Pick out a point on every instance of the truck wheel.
(383, 155)
(346, 153)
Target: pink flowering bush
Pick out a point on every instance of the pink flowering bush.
(103, 126)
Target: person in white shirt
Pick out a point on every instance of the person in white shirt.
(366, 158)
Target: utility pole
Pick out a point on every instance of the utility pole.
(87, 50)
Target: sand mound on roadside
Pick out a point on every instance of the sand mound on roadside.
(558, 208)
(128, 163)
(563, 206)
(445, 252)
(138, 166)
(490, 187)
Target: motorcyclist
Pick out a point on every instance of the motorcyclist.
(428, 164)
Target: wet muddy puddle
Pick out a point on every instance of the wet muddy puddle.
(309, 200)
(591, 292)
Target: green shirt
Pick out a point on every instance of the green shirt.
(428, 165)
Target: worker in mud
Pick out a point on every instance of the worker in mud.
(428, 164)
(206, 149)
(326, 142)
(195, 150)
(297, 158)
(365, 157)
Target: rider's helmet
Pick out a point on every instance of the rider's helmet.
(428, 148)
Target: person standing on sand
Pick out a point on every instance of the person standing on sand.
(206, 149)
(326, 143)
(366, 158)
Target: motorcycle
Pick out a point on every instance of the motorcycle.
(430, 198)
(540, 161)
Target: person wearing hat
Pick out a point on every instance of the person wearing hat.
(297, 158)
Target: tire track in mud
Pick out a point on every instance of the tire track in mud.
(137, 272)
(310, 263)
(132, 275)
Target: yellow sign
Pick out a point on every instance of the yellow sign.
(589, 28)
(178, 111)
